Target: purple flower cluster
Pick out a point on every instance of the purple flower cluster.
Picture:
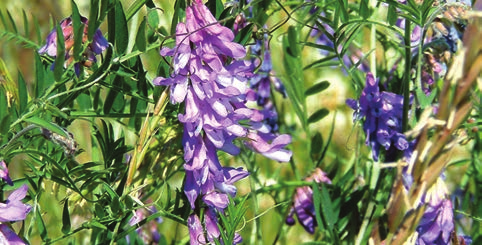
(437, 223)
(211, 79)
(303, 205)
(446, 32)
(97, 46)
(263, 80)
(383, 117)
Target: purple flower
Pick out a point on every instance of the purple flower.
(383, 117)
(437, 223)
(263, 80)
(13, 210)
(98, 45)
(303, 205)
(196, 230)
(211, 79)
(4, 173)
(8, 236)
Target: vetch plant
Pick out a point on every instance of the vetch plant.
(240, 122)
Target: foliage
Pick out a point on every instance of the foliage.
(98, 143)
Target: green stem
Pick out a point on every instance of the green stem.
(406, 77)
(373, 47)
(81, 87)
(18, 135)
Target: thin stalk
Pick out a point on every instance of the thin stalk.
(145, 137)
(81, 87)
(406, 77)
(373, 47)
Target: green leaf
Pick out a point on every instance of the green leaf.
(121, 33)
(84, 101)
(153, 24)
(39, 76)
(141, 36)
(179, 7)
(66, 218)
(134, 8)
(293, 42)
(5, 120)
(364, 10)
(93, 15)
(341, 11)
(316, 145)
(25, 23)
(114, 101)
(22, 92)
(317, 88)
(392, 15)
(37, 29)
(244, 35)
(47, 125)
(78, 31)
(317, 203)
(324, 62)
(318, 115)
(41, 225)
(294, 82)
(216, 7)
(60, 59)
(5, 117)
(327, 209)
(12, 22)
(96, 224)
(320, 46)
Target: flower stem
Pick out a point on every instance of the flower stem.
(406, 77)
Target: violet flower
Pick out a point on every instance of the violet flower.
(4, 173)
(383, 117)
(8, 236)
(263, 80)
(437, 223)
(97, 46)
(303, 205)
(215, 93)
(13, 210)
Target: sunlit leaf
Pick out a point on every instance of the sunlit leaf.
(318, 115)
(317, 88)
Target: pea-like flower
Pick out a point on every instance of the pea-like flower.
(383, 117)
(96, 47)
(303, 205)
(211, 79)
(263, 80)
(437, 223)
(13, 210)
(4, 173)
